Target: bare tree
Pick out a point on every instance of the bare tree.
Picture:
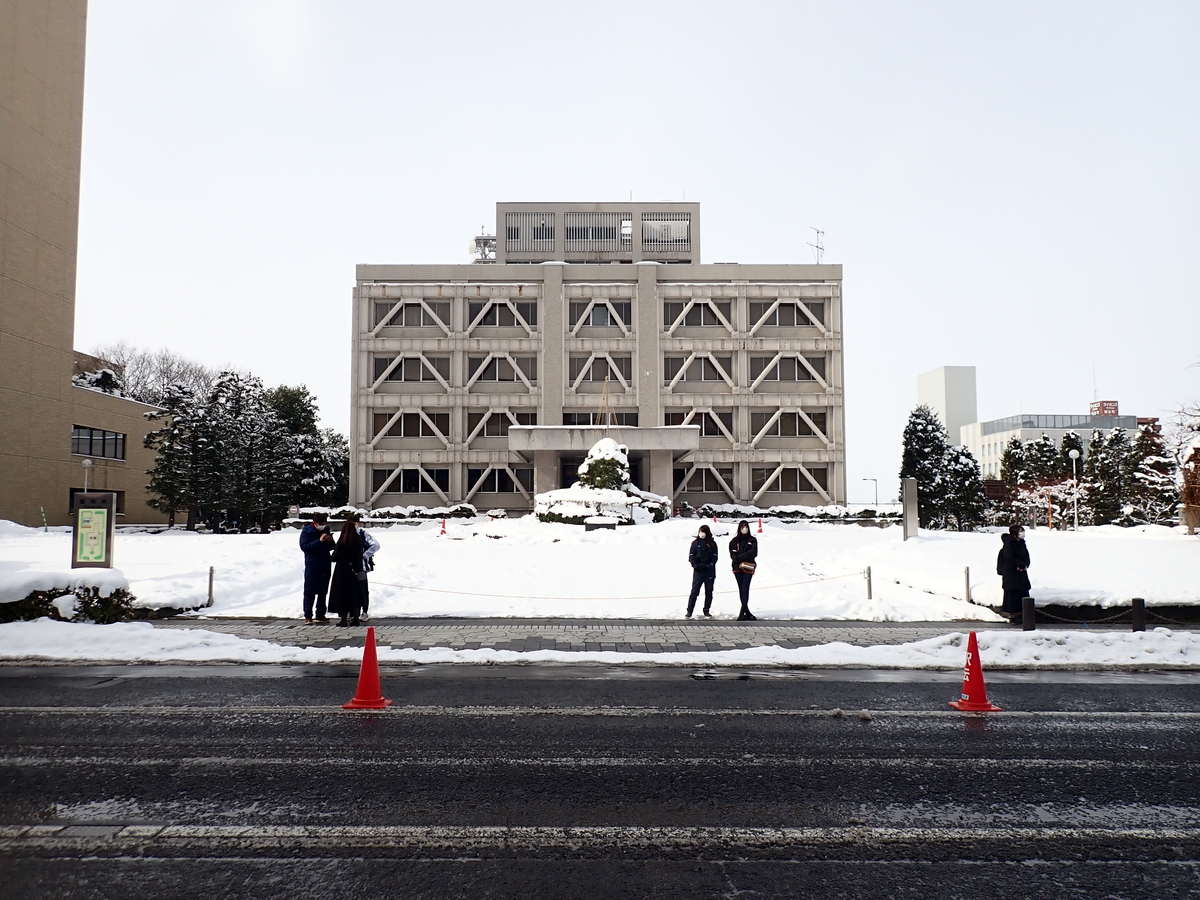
(145, 375)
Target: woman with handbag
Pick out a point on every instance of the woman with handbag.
(743, 551)
(345, 595)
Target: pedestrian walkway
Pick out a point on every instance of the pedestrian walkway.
(622, 635)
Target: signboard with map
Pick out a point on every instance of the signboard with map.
(92, 534)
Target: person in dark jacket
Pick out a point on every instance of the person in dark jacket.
(743, 551)
(345, 596)
(317, 544)
(1012, 566)
(703, 557)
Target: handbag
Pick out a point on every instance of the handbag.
(362, 576)
(748, 567)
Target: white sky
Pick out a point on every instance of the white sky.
(1012, 186)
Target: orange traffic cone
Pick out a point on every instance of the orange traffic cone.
(369, 695)
(443, 531)
(974, 692)
(760, 526)
(714, 520)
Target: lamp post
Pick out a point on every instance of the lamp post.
(1074, 454)
(876, 480)
(87, 470)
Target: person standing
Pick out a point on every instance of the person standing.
(370, 545)
(345, 595)
(703, 557)
(743, 551)
(1012, 565)
(317, 543)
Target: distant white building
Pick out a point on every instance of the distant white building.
(987, 440)
(950, 392)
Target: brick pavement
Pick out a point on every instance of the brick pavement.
(626, 635)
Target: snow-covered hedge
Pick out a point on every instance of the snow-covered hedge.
(737, 511)
(78, 604)
(390, 513)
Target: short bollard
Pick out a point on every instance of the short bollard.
(1028, 615)
(1139, 614)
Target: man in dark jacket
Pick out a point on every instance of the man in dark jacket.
(317, 544)
(743, 552)
(1012, 566)
(703, 557)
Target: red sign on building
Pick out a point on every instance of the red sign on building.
(1103, 408)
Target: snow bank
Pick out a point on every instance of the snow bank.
(141, 642)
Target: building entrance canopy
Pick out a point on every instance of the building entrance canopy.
(581, 438)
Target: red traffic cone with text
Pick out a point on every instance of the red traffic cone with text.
(369, 695)
(760, 526)
(443, 531)
(974, 692)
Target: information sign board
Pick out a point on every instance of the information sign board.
(94, 521)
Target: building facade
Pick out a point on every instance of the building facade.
(51, 427)
(987, 440)
(950, 392)
(485, 382)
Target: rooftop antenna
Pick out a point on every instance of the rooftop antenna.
(1095, 392)
(819, 246)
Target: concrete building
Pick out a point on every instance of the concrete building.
(950, 392)
(50, 427)
(724, 380)
(987, 440)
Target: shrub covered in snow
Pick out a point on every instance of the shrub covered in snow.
(603, 489)
(78, 604)
(391, 513)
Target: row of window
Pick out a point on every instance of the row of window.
(97, 442)
(790, 480)
(615, 367)
(422, 481)
(495, 424)
(498, 314)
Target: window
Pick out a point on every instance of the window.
(704, 480)
(601, 316)
(787, 313)
(790, 481)
(666, 230)
(703, 313)
(97, 442)
(788, 368)
(410, 481)
(621, 419)
(413, 315)
(600, 368)
(498, 314)
(497, 423)
(412, 368)
(499, 481)
(498, 368)
(789, 424)
(707, 421)
(411, 425)
(703, 368)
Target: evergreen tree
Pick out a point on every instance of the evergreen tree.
(925, 460)
(296, 408)
(1154, 493)
(337, 458)
(181, 443)
(965, 499)
(1110, 473)
(1071, 441)
(1041, 461)
(1012, 462)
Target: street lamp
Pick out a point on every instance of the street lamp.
(876, 480)
(1074, 454)
(87, 470)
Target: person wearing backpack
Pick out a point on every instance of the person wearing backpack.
(703, 557)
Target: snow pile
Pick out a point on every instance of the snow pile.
(141, 642)
(603, 489)
(19, 580)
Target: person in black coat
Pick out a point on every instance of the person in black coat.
(345, 595)
(743, 551)
(1012, 566)
(703, 557)
(317, 543)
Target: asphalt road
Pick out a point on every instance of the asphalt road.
(588, 782)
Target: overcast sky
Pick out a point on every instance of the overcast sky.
(1014, 186)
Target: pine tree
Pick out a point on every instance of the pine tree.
(1012, 462)
(925, 460)
(965, 499)
(181, 442)
(1154, 493)
(1110, 471)
(1041, 461)
(1071, 441)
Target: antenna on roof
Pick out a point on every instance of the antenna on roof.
(819, 246)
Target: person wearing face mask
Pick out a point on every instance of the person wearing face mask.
(703, 557)
(743, 550)
(1012, 566)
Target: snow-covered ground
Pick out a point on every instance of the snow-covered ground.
(522, 567)
(142, 642)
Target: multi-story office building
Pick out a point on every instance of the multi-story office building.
(57, 437)
(987, 440)
(487, 382)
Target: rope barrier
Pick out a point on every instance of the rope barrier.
(770, 587)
